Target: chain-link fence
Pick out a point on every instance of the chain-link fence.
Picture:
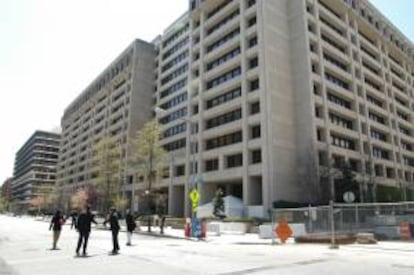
(379, 218)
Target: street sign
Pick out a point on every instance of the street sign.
(194, 197)
(349, 197)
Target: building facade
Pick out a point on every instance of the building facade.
(116, 104)
(34, 169)
(265, 99)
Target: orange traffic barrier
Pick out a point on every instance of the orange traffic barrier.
(405, 233)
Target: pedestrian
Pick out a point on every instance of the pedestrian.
(114, 226)
(73, 217)
(56, 224)
(83, 226)
(131, 225)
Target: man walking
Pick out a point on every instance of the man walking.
(114, 226)
(131, 225)
(83, 225)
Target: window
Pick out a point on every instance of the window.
(380, 153)
(252, 41)
(256, 156)
(340, 121)
(224, 119)
(251, 22)
(223, 40)
(342, 142)
(225, 140)
(212, 165)
(223, 78)
(378, 135)
(255, 108)
(250, 3)
(255, 132)
(235, 160)
(376, 118)
(222, 59)
(221, 99)
(179, 170)
(175, 145)
(253, 63)
(337, 81)
(339, 101)
(254, 85)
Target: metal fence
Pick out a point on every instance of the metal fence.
(348, 218)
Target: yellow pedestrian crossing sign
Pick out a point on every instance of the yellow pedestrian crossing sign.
(194, 197)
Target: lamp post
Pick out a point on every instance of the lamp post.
(191, 127)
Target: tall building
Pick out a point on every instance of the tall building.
(34, 168)
(116, 104)
(265, 99)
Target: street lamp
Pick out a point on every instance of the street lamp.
(191, 128)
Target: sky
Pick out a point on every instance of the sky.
(50, 50)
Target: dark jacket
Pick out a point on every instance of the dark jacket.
(113, 222)
(83, 224)
(57, 222)
(130, 223)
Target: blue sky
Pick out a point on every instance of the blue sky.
(50, 50)
(400, 13)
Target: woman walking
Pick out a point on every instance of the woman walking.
(56, 224)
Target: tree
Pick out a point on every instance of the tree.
(346, 182)
(43, 197)
(218, 204)
(108, 158)
(148, 158)
(79, 199)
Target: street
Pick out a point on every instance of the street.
(25, 249)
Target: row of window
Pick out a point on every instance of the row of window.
(175, 145)
(336, 81)
(222, 59)
(177, 34)
(223, 39)
(174, 74)
(224, 140)
(223, 22)
(174, 115)
(176, 48)
(221, 99)
(224, 119)
(177, 129)
(177, 86)
(175, 61)
(174, 101)
(223, 78)
(339, 101)
(340, 121)
(342, 142)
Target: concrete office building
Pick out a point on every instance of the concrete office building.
(276, 94)
(117, 103)
(284, 90)
(34, 169)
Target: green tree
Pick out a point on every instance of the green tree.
(148, 157)
(218, 204)
(108, 160)
(346, 182)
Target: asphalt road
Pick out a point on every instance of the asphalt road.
(25, 249)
